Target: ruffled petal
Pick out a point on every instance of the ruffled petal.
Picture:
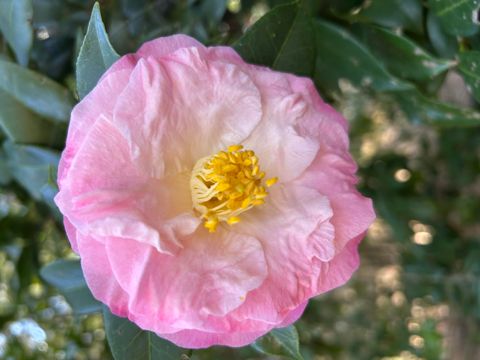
(100, 199)
(282, 150)
(210, 276)
(170, 129)
(294, 228)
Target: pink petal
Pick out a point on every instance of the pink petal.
(282, 150)
(210, 276)
(294, 229)
(99, 276)
(167, 45)
(170, 129)
(71, 233)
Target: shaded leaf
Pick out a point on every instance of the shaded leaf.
(470, 68)
(22, 125)
(16, 27)
(43, 96)
(405, 14)
(282, 39)
(31, 166)
(458, 17)
(340, 56)
(402, 56)
(67, 277)
(4, 171)
(445, 45)
(282, 342)
(127, 341)
(96, 54)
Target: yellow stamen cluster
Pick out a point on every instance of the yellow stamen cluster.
(227, 184)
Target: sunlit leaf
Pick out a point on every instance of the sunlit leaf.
(282, 342)
(282, 39)
(127, 341)
(402, 56)
(341, 57)
(405, 14)
(35, 91)
(96, 54)
(67, 277)
(470, 68)
(458, 17)
(16, 27)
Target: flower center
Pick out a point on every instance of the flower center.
(227, 184)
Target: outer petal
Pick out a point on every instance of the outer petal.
(170, 129)
(71, 233)
(294, 229)
(167, 45)
(99, 276)
(194, 339)
(96, 104)
(210, 276)
(100, 199)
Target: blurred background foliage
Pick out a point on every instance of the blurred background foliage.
(406, 74)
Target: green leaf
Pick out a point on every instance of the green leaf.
(22, 125)
(127, 341)
(67, 277)
(402, 56)
(445, 45)
(282, 342)
(458, 17)
(16, 26)
(470, 68)
(43, 96)
(420, 109)
(282, 39)
(31, 166)
(4, 170)
(405, 14)
(96, 54)
(340, 56)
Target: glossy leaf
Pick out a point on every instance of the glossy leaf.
(16, 27)
(282, 39)
(67, 277)
(43, 96)
(458, 17)
(282, 342)
(96, 54)
(470, 68)
(341, 57)
(445, 45)
(31, 166)
(20, 124)
(402, 56)
(420, 109)
(406, 14)
(127, 341)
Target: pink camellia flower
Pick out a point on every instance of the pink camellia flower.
(209, 199)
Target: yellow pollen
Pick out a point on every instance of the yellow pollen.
(227, 184)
